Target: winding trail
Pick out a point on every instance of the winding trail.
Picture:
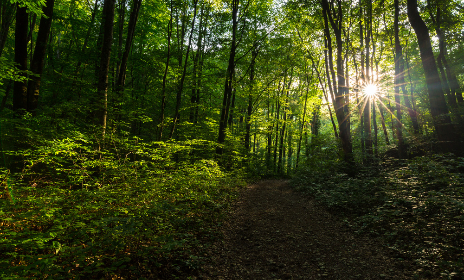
(274, 232)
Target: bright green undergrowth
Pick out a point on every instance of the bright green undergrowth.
(132, 209)
(416, 207)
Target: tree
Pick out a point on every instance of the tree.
(37, 63)
(336, 19)
(438, 108)
(20, 87)
(102, 78)
(399, 81)
(229, 79)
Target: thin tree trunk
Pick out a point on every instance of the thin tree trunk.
(84, 47)
(121, 20)
(184, 72)
(102, 86)
(250, 101)
(269, 134)
(384, 127)
(121, 78)
(415, 122)
(453, 89)
(277, 129)
(399, 80)
(231, 110)
(323, 90)
(368, 100)
(304, 119)
(286, 91)
(339, 102)
(163, 87)
(195, 73)
(290, 149)
(20, 87)
(328, 52)
(228, 81)
(281, 145)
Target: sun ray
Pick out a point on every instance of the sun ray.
(370, 90)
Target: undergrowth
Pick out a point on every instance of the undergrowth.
(416, 207)
(132, 209)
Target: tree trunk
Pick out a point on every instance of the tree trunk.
(290, 149)
(323, 89)
(20, 87)
(102, 85)
(399, 80)
(230, 121)
(455, 91)
(442, 122)
(415, 123)
(37, 63)
(121, 78)
(83, 49)
(368, 100)
(339, 102)
(228, 81)
(184, 72)
(196, 71)
(281, 145)
(277, 120)
(250, 101)
(269, 134)
(7, 15)
(304, 118)
(166, 68)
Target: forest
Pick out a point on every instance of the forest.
(128, 128)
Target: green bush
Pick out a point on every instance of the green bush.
(129, 208)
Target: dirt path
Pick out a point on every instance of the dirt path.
(277, 233)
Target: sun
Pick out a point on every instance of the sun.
(370, 90)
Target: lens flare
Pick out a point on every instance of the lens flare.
(370, 90)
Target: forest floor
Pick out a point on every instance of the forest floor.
(274, 232)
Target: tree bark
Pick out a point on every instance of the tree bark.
(399, 80)
(446, 135)
(196, 74)
(250, 101)
(165, 75)
(449, 76)
(37, 63)
(102, 85)
(20, 87)
(121, 78)
(323, 90)
(339, 102)
(184, 73)
(303, 121)
(228, 81)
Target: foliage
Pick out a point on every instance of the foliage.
(132, 209)
(416, 207)
(140, 200)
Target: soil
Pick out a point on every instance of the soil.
(274, 232)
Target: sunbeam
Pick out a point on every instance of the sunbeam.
(370, 90)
